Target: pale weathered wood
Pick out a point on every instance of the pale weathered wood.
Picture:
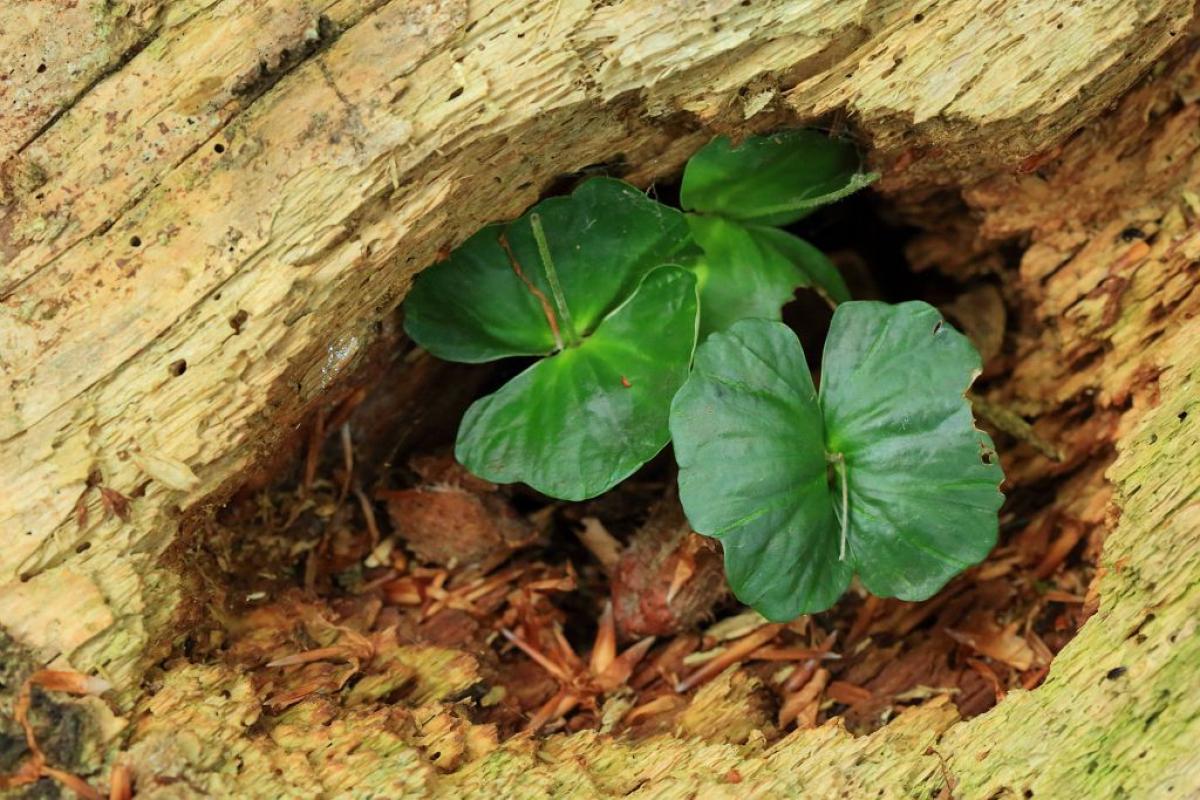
(245, 188)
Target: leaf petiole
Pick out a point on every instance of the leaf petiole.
(560, 302)
(839, 464)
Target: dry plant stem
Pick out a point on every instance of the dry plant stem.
(368, 514)
(547, 309)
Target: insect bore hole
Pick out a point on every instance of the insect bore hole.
(177, 368)
(218, 148)
(135, 241)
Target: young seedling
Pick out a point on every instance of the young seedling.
(882, 473)
(585, 284)
(738, 196)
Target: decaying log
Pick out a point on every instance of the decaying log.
(210, 208)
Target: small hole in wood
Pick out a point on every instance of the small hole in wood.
(135, 241)
(218, 147)
(41, 68)
(83, 547)
(238, 320)
(177, 368)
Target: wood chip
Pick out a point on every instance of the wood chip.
(848, 693)
(1000, 643)
(803, 706)
(733, 654)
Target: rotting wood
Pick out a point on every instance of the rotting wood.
(308, 189)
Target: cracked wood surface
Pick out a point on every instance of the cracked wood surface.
(206, 207)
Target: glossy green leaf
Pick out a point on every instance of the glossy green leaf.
(771, 180)
(603, 239)
(923, 481)
(751, 271)
(748, 437)
(759, 458)
(577, 423)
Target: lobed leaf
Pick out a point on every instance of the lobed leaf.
(577, 423)
(755, 443)
(603, 239)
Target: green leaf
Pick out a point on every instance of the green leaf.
(752, 271)
(759, 457)
(749, 440)
(923, 481)
(603, 239)
(473, 307)
(771, 180)
(574, 425)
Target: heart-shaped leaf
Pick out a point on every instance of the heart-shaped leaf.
(577, 423)
(771, 180)
(752, 270)
(764, 463)
(487, 302)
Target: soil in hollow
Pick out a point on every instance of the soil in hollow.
(375, 550)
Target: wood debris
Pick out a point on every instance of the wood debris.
(669, 578)
(36, 766)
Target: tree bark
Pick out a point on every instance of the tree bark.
(211, 208)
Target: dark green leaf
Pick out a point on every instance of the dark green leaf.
(758, 457)
(749, 440)
(752, 270)
(924, 482)
(771, 180)
(576, 424)
(603, 240)
(473, 307)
